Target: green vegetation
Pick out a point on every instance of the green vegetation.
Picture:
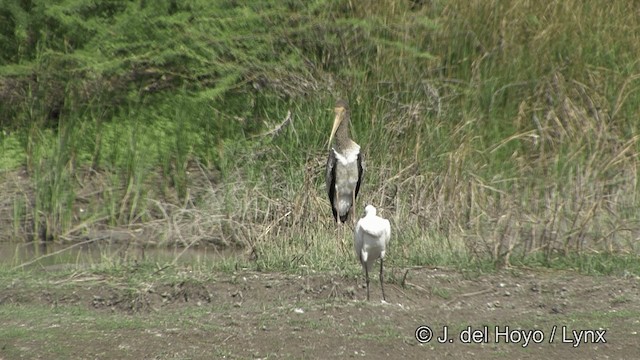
(495, 132)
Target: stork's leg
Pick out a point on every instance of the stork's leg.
(338, 235)
(352, 210)
(382, 280)
(366, 275)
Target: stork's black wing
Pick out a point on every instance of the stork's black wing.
(360, 172)
(330, 179)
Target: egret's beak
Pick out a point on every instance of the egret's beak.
(336, 123)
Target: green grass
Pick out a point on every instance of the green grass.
(592, 264)
(60, 331)
(494, 132)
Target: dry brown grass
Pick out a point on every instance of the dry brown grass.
(491, 130)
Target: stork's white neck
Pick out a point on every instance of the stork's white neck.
(348, 155)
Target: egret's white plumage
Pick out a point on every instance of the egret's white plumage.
(372, 235)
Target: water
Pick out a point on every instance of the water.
(54, 255)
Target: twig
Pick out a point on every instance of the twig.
(399, 290)
(81, 225)
(271, 226)
(278, 128)
(74, 278)
(410, 166)
(404, 283)
(416, 286)
(227, 338)
(164, 267)
(404, 279)
(476, 293)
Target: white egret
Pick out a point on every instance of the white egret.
(372, 234)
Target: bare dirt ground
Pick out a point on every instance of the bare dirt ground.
(268, 315)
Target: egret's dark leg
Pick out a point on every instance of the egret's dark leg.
(366, 275)
(381, 280)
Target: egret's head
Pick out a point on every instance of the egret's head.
(342, 111)
(370, 210)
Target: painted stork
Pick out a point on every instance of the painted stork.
(344, 166)
(372, 234)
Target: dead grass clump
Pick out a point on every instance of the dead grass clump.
(16, 204)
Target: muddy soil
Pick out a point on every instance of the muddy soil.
(515, 314)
